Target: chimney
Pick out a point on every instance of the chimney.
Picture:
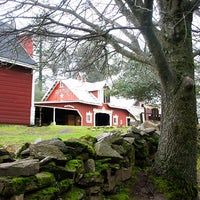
(81, 77)
(27, 42)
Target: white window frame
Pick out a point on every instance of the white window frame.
(88, 117)
(115, 120)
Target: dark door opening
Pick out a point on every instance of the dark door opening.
(67, 117)
(102, 119)
(128, 122)
(44, 116)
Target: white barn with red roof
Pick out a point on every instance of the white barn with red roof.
(77, 102)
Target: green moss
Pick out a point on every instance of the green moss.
(64, 185)
(75, 165)
(102, 164)
(92, 174)
(178, 190)
(20, 184)
(78, 146)
(74, 194)
(122, 194)
(45, 179)
(89, 138)
(46, 193)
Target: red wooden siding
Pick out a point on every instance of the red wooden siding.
(85, 108)
(95, 93)
(60, 93)
(122, 116)
(15, 94)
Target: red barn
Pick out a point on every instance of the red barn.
(76, 102)
(16, 80)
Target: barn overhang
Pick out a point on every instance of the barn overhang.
(47, 114)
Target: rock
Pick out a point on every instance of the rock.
(94, 190)
(45, 179)
(41, 151)
(119, 148)
(20, 168)
(17, 197)
(129, 139)
(90, 165)
(149, 124)
(133, 130)
(112, 137)
(5, 156)
(91, 179)
(149, 130)
(77, 147)
(103, 149)
(102, 136)
(124, 174)
(55, 142)
(23, 151)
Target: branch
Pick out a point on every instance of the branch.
(140, 58)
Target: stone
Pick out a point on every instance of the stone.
(55, 142)
(103, 149)
(23, 151)
(5, 156)
(129, 140)
(41, 151)
(20, 168)
(17, 197)
(77, 147)
(90, 165)
(149, 130)
(124, 174)
(119, 148)
(150, 124)
(91, 179)
(94, 189)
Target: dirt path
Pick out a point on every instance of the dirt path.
(144, 189)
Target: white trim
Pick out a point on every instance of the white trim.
(32, 109)
(109, 112)
(17, 63)
(54, 116)
(89, 114)
(71, 101)
(115, 117)
(46, 95)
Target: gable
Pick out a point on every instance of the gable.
(11, 50)
(61, 93)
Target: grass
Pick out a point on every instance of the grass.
(16, 135)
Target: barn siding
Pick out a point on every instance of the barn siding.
(122, 116)
(60, 93)
(84, 108)
(15, 94)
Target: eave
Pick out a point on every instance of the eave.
(67, 102)
(15, 62)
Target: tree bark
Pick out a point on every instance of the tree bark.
(176, 156)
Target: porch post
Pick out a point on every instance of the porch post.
(54, 116)
(110, 119)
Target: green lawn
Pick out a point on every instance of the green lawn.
(16, 135)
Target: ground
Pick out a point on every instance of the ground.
(144, 189)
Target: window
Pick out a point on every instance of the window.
(115, 120)
(89, 117)
(106, 94)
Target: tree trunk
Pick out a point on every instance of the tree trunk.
(176, 156)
